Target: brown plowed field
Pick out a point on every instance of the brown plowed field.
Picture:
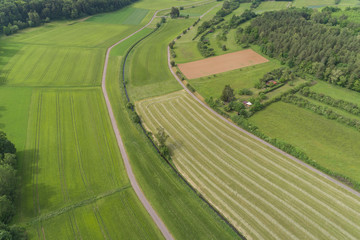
(223, 63)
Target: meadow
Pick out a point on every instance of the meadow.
(227, 166)
(147, 70)
(329, 143)
(324, 3)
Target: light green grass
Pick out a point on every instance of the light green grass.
(121, 49)
(38, 65)
(61, 164)
(324, 3)
(186, 216)
(74, 34)
(148, 72)
(327, 142)
(101, 219)
(128, 15)
(14, 111)
(197, 11)
(162, 4)
(263, 193)
(337, 92)
(272, 6)
(241, 78)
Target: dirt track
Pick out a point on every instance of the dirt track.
(124, 155)
(223, 63)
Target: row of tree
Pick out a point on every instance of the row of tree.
(338, 103)
(322, 110)
(331, 53)
(15, 15)
(8, 190)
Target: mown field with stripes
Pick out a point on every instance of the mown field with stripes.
(73, 171)
(262, 192)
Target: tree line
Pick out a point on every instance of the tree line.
(331, 53)
(15, 15)
(8, 190)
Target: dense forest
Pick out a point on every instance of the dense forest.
(8, 190)
(305, 39)
(15, 15)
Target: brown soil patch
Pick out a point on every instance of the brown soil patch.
(223, 63)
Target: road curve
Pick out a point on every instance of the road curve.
(337, 182)
(124, 155)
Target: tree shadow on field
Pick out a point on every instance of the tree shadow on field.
(33, 195)
(2, 109)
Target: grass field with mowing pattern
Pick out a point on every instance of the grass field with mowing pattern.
(263, 193)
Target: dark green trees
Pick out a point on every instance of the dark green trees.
(175, 13)
(227, 94)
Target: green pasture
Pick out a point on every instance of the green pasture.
(185, 215)
(147, 68)
(263, 193)
(128, 15)
(164, 4)
(324, 3)
(14, 109)
(99, 219)
(353, 15)
(272, 6)
(336, 92)
(329, 143)
(40, 65)
(198, 10)
(212, 86)
(73, 34)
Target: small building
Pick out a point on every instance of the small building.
(247, 104)
(271, 82)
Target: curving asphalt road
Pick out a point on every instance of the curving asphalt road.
(337, 182)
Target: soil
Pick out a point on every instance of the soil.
(220, 64)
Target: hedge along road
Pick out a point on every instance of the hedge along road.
(160, 224)
(255, 137)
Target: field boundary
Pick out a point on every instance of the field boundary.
(313, 169)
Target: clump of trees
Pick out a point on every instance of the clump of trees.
(331, 53)
(175, 12)
(15, 15)
(161, 137)
(227, 94)
(8, 190)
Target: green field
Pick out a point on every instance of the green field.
(324, 3)
(128, 15)
(263, 193)
(241, 78)
(329, 143)
(272, 6)
(148, 72)
(337, 92)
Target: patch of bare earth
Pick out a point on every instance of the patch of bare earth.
(220, 64)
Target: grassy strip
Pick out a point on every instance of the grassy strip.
(75, 205)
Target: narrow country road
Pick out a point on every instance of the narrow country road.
(337, 182)
(124, 155)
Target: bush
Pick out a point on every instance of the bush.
(245, 91)
(135, 117)
(173, 63)
(191, 88)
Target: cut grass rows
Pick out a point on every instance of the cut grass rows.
(232, 166)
